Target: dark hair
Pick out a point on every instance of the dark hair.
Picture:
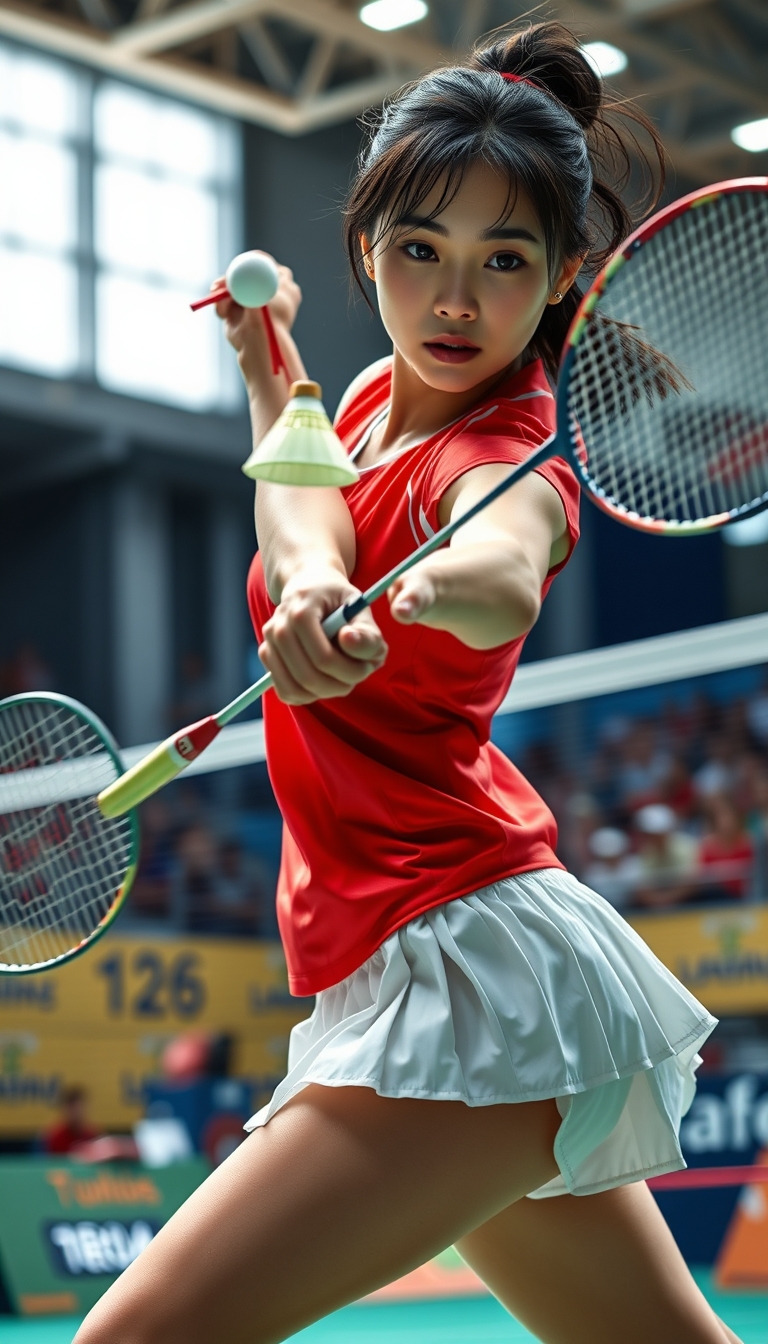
(554, 137)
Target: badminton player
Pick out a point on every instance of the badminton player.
(495, 1058)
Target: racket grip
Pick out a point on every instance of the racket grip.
(159, 767)
(343, 615)
(215, 297)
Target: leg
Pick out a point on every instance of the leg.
(341, 1192)
(593, 1269)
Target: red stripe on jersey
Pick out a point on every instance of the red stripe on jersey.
(394, 799)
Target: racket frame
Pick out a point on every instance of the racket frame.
(113, 751)
(589, 303)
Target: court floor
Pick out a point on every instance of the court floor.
(478, 1320)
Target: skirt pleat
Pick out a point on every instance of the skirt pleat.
(533, 987)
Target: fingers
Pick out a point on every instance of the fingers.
(411, 597)
(306, 666)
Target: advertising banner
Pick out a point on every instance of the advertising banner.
(726, 1126)
(720, 953)
(124, 984)
(67, 1230)
(103, 1021)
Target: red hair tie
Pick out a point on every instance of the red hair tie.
(520, 79)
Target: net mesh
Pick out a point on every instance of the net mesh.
(61, 862)
(668, 394)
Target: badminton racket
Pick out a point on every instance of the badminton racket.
(65, 868)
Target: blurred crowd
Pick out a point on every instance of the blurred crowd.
(198, 873)
(668, 808)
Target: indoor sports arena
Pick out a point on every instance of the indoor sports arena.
(384, 865)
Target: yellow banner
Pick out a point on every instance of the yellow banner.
(122, 985)
(719, 953)
(104, 1020)
(34, 1069)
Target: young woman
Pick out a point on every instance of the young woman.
(495, 1058)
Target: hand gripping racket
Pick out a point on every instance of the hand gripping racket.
(662, 406)
(65, 868)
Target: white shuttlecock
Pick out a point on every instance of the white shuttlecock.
(302, 448)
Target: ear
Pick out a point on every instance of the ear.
(568, 272)
(367, 255)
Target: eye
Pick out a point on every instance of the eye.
(419, 251)
(505, 261)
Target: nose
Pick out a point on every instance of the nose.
(455, 302)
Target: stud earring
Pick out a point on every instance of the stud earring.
(557, 295)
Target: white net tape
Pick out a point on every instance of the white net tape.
(685, 443)
(61, 862)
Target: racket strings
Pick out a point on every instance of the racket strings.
(62, 864)
(669, 384)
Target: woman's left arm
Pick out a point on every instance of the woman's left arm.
(485, 587)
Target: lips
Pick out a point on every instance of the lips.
(450, 349)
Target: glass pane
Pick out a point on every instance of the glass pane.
(150, 344)
(38, 313)
(38, 93)
(154, 226)
(38, 201)
(155, 131)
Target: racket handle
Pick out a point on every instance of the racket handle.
(275, 353)
(341, 617)
(215, 297)
(159, 767)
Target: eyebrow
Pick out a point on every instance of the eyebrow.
(495, 232)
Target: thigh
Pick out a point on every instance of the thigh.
(341, 1192)
(593, 1269)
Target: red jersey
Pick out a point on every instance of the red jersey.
(393, 798)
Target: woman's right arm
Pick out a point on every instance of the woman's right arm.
(306, 535)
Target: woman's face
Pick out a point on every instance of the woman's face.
(461, 295)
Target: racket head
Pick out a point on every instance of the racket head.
(680, 447)
(65, 870)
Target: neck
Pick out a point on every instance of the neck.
(417, 410)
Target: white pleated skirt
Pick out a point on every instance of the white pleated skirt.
(532, 987)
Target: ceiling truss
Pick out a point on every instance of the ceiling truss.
(698, 67)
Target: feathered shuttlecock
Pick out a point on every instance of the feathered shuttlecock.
(301, 448)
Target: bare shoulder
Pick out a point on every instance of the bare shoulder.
(361, 381)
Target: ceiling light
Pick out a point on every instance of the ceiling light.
(605, 59)
(388, 14)
(753, 135)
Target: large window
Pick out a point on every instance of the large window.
(38, 214)
(116, 208)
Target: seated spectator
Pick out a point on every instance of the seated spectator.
(666, 858)
(678, 790)
(193, 887)
(240, 892)
(72, 1129)
(645, 767)
(613, 872)
(217, 888)
(718, 773)
(757, 715)
(151, 892)
(726, 853)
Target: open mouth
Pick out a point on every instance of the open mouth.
(452, 351)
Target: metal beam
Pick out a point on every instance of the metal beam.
(267, 56)
(233, 96)
(190, 21)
